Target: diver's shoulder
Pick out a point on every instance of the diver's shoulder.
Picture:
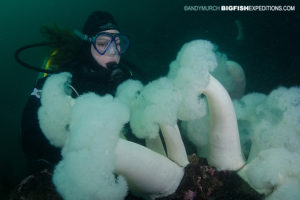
(40, 82)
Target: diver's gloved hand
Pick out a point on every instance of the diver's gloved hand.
(118, 74)
(117, 71)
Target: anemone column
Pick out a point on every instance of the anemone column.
(224, 142)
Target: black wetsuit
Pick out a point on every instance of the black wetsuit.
(35, 145)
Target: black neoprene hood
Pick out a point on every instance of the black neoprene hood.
(99, 21)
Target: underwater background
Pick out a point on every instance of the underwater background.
(269, 51)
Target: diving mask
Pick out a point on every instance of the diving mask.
(110, 43)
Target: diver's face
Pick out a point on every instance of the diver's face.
(104, 59)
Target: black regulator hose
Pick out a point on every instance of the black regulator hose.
(21, 62)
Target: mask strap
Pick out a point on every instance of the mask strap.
(82, 36)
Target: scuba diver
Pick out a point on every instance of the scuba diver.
(93, 57)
